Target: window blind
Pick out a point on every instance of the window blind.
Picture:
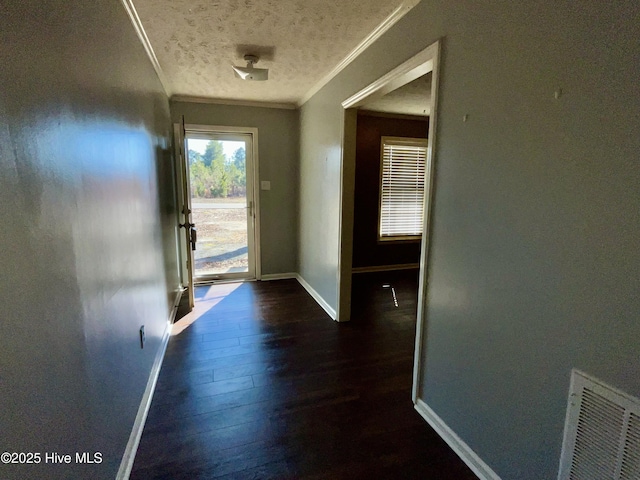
(402, 187)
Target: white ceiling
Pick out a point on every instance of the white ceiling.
(411, 99)
(300, 41)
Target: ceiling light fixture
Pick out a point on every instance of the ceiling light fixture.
(250, 72)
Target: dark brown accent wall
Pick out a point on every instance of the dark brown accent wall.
(367, 251)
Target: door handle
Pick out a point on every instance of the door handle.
(250, 207)
(194, 236)
(193, 233)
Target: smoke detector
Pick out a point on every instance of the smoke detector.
(250, 72)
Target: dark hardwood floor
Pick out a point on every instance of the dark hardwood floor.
(261, 383)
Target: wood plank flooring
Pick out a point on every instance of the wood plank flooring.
(262, 384)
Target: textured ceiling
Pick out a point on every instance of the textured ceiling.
(411, 99)
(299, 41)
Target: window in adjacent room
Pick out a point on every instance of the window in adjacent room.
(402, 188)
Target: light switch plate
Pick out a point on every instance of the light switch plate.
(265, 185)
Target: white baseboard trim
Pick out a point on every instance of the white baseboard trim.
(386, 268)
(317, 297)
(278, 276)
(143, 410)
(468, 456)
(176, 303)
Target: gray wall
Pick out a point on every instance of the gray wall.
(321, 128)
(278, 163)
(84, 157)
(534, 257)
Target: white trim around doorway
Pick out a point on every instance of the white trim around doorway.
(253, 131)
(428, 60)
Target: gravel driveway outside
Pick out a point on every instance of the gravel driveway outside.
(222, 235)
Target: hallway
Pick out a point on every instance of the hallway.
(260, 383)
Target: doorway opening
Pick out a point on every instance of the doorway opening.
(424, 63)
(220, 216)
(221, 205)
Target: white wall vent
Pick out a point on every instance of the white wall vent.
(601, 432)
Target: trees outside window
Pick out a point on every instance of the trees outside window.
(213, 175)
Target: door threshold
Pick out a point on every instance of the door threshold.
(215, 281)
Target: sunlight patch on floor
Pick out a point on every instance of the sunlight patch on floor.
(214, 295)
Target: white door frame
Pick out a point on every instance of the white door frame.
(428, 60)
(185, 264)
(253, 132)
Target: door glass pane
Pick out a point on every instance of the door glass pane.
(217, 171)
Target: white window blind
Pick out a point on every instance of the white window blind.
(402, 187)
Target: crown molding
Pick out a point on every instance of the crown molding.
(386, 24)
(418, 65)
(142, 35)
(229, 101)
(398, 116)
